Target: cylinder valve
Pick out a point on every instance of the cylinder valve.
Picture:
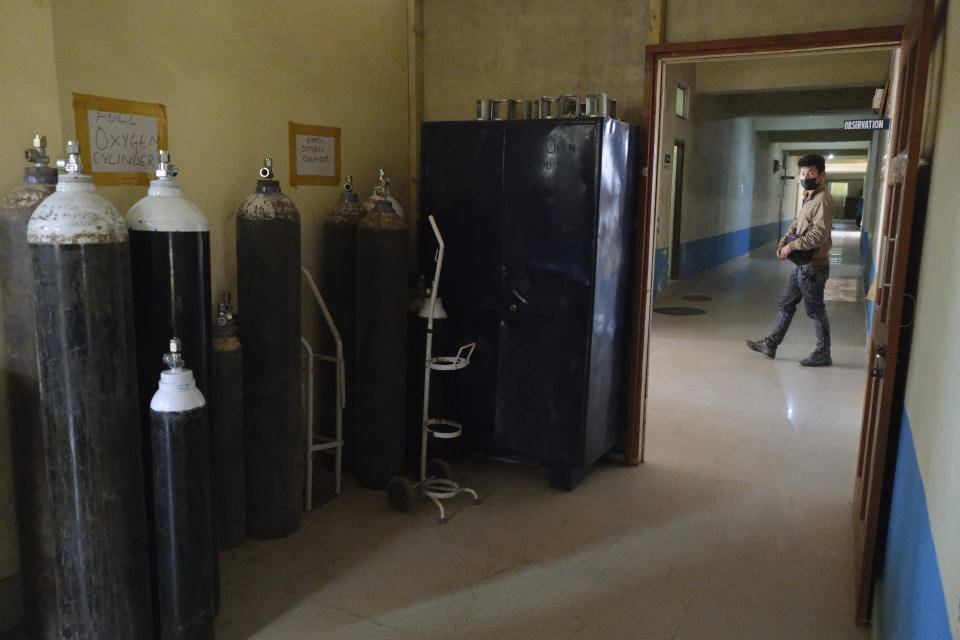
(225, 311)
(267, 171)
(72, 163)
(38, 155)
(174, 357)
(165, 169)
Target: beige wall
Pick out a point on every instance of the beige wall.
(797, 71)
(232, 74)
(510, 49)
(28, 105)
(692, 20)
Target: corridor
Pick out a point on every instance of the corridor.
(778, 440)
(737, 526)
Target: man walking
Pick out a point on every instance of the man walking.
(810, 232)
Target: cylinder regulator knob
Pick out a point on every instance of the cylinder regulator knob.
(225, 311)
(174, 357)
(165, 169)
(72, 163)
(38, 155)
(267, 171)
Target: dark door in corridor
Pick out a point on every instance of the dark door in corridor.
(677, 198)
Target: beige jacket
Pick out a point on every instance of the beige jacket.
(814, 222)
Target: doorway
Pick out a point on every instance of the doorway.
(657, 57)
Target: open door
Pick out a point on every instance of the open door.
(874, 468)
(649, 131)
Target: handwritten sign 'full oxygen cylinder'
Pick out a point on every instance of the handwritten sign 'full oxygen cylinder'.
(122, 142)
(120, 139)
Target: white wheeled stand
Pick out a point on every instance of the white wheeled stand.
(334, 445)
(439, 484)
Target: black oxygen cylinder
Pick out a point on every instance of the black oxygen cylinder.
(170, 261)
(268, 289)
(381, 346)
(187, 573)
(32, 496)
(229, 476)
(339, 292)
(88, 400)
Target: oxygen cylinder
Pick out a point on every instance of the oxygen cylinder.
(382, 190)
(229, 488)
(339, 291)
(268, 286)
(88, 401)
(170, 259)
(186, 570)
(35, 528)
(381, 353)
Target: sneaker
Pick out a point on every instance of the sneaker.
(764, 346)
(816, 359)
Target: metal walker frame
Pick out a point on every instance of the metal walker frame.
(325, 444)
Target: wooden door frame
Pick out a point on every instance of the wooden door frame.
(647, 174)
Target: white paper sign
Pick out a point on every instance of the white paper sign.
(122, 142)
(316, 155)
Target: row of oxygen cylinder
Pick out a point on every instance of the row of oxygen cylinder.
(126, 484)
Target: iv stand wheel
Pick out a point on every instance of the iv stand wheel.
(400, 493)
(437, 468)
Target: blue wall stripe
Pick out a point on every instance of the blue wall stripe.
(911, 593)
(704, 254)
(661, 269)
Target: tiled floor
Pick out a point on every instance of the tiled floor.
(737, 526)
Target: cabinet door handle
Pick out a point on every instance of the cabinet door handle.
(519, 296)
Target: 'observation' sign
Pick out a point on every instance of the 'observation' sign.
(866, 125)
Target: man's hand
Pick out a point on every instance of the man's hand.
(784, 251)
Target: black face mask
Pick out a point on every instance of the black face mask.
(809, 183)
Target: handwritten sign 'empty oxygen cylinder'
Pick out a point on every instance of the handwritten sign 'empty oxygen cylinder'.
(314, 154)
(120, 138)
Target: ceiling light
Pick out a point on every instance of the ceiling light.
(830, 157)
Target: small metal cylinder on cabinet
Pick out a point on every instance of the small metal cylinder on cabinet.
(32, 496)
(88, 399)
(186, 570)
(268, 288)
(381, 352)
(229, 479)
